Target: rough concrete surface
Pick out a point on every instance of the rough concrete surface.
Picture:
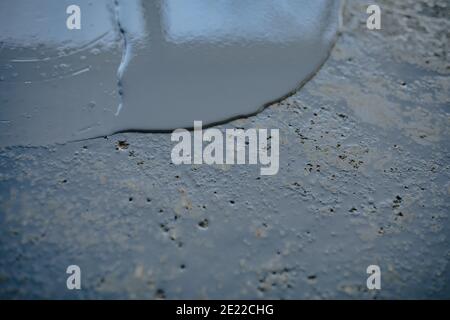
(364, 179)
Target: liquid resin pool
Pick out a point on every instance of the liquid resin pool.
(152, 65)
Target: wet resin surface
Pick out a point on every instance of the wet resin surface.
(152, 65)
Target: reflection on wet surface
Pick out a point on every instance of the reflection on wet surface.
(151, 65)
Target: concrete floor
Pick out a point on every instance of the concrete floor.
(364, 179)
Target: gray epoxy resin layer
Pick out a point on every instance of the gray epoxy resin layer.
(152, 65)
